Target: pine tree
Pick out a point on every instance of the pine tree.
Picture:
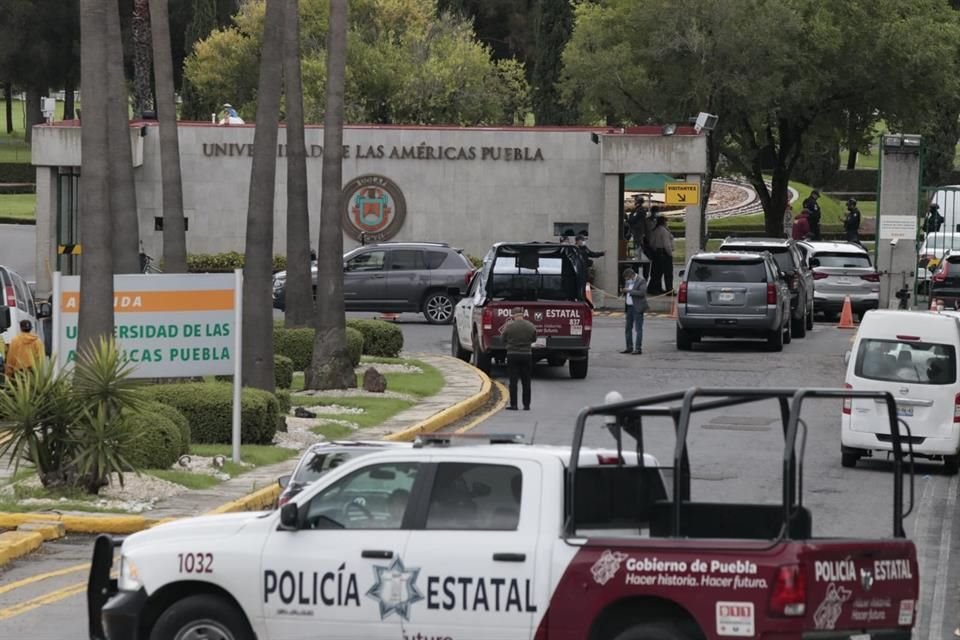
(554, 24)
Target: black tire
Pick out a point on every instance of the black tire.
(438, 308)
(810, 312)
(684, 341)
(457, 349)
(222, 620)
(666, 630)
(849, 460)
(481, 359)
(798, 326)
(951, 465)
(788, 333)
(775, 340)
(578, 368)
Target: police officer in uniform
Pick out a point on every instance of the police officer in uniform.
(519, 335)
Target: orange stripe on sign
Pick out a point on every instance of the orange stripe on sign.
(153, 301)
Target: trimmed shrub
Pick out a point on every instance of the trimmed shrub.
(208, 408)
(283, 401)
(296, 344)
(225, 262)
(282, 371)
(178, 419)
(17, 172)
(380, 339)
(354, 345)
(156, 443)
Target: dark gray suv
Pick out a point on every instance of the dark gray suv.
(394, 277)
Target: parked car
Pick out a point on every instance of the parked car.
(842, 269)
(733, 295)
(932, 250)
(395, 277)
(945, 282)
(793, 263)
(17, 304)
(322, 458)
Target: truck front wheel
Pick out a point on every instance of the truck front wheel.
(578, 369)
(203, 616)
(667, 630)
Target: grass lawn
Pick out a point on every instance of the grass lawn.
(18, 205)
(258, 455)
(416, 384)
(375, 410)
(185, 478)
(333, 431)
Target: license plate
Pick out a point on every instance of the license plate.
(542, 342)
(905, 412)
(726, 297)
(576, 329)
(860, 636)
(843, 280)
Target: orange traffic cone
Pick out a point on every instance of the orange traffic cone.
(389, 317)
(846, 316)
(673, 308)
(588, 293)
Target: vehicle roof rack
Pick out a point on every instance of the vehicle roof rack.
(446, 439)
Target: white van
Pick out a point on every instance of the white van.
(16, 304)
(913, 355)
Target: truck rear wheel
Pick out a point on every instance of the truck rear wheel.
(481, 360)
(578, 368)
(684, 340)
(849, 460)
(204, 616)
(667, 630)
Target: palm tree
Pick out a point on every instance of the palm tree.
(257, 308)
(140, 32)
(123, 196)
(299, 292)
(174, 231)
(96, 290)
(331, 367)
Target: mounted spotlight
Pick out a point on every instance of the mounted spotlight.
(908, 144)
(705, 122)
(669, 129)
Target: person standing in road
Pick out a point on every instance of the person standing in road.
(812, 205)
(801, 226)
(26, 350)
(519, 335)
(635, 305)
(661, 243)
(851, 223)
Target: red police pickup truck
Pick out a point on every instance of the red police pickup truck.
(548, 282)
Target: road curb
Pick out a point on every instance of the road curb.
(14, 544)
(257, 501)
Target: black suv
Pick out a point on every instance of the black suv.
(793, 263)
(393, 277)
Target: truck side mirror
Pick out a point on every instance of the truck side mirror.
(682, 273)
(289, 517)
(4, 318)
(44, 310)
(283, 481)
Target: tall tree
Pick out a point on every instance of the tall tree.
(96, 282)
(554, 24)
(142, 63)
(174, 226)
(299, 312)
(123, 194)
(257, 268)
(202, 23)
(331, 367)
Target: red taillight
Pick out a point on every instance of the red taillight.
(771, 293)
(588, 320)
(819, 275)
(908, 338)
(941, 275)
(847, 402)
(956, 409)
(282, 500)
(795, 282)
(603, 458)
(486, 319)
(682, 293)
(871, 277)
(11, 297)
(789, 594)
(467, 277)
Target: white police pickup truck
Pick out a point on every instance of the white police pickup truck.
(508, 541)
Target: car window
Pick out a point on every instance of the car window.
(370, 261)
(406, 260)
(478, 497)
(840, 259)
(23, 293)
(320, 462)
(781, 254)
(374, 497)
(727, 271)
(907, 361)
(434, 259)
(515, 282)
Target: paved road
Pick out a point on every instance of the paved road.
(734, 455)
(19, 249)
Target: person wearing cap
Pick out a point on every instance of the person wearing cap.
(851, 222)
(935, 219)
(230, 115)
(588, 255)
(812, 206)
(519, 335)
(25, 351)
(635, 305)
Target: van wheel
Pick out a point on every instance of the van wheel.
(684, 341)
(951, 464)
(667, 630)
(438, 308)
(578, 369)
(775, 340)
(810, 318)
(457, 349)
(798, 326)
(849, 460)
(204, 616)
(788, 334)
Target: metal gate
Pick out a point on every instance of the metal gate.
(938, 234)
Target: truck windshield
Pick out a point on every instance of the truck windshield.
(727, 271)
(900, 361)
(540, 280)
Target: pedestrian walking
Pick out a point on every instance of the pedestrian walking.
(812, 205)
(635, 305)
(801, 226)
(935, 219)
(519, 335)
(661, 244)
(788, 221)
(25, 351)
(851, 222)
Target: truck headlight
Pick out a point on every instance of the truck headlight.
(129, 579)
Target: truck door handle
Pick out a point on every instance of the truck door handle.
(375, 553)
(509, 557)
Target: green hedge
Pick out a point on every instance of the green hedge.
(225, 262)
(17, 172)
(296, 344)
(380, 339)
(208, 408)
(282, 371)
(156, 443)
(283, 401)
(178, 419)
(354, 345)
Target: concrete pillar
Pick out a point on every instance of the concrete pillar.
(897, 219)
(607, 277)
(46, 233)
(693, 231)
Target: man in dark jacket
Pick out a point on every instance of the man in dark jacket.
(519, 335)
(851, 223)
(811, 205)
(586, 252)
(935, 219)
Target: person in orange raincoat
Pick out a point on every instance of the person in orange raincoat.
(25, 350)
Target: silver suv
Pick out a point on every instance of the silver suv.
(394, 277)
(733, 295)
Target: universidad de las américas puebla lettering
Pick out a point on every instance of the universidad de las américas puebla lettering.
(340, 588)
(173, 353)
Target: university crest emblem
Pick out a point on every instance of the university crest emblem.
(374, 208)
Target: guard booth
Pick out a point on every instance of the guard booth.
(936, 236)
